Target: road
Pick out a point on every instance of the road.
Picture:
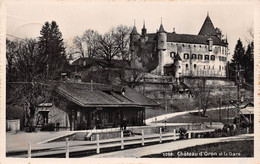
(150, 121)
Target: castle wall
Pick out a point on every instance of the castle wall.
(199, 67)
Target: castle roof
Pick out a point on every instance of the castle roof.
(161, 29)
(207, 28)
(187, 38)
(134, 31)
(177, 57)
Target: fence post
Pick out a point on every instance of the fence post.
(67, 148)
(98, 148)
(174, 134)
(189, 135)
(160, 135)
(142, 137)
(29, 150)
(122, 139)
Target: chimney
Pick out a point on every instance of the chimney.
(173, 31)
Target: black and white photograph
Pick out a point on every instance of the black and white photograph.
(129, 81)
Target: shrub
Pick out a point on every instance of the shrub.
(182, 132)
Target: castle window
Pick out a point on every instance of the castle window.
(220, 58)
(186, 56)
(223, 58)
(219, 67)
(172, 54)
(194, 56)
(206, 57)
(204, 67)
(187, 66)
(200, 57)
(195, 66)
(212, 57)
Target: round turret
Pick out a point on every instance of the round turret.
(161, 39)
(134, 36)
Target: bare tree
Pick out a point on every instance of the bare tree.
(121, 36)
(202, 93)
(86, 45)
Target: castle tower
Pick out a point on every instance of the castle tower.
(144, 30)
(134, 36)
(161, 47)
(177, 67)
(144, 37)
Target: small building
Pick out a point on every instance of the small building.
(248, 112)
(94, 105)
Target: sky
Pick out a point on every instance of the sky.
(26, 18)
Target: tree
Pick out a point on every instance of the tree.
(53, 57)
(33, 65)
(245, 59)
(202, 94)
(11, 51)
(86, 45)
(115, 44)
(22, 60)
(27, 88)
(121, 36)
(249, 63)
(239, 53)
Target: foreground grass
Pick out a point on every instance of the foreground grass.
(222, 149)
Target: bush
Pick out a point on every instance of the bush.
(30, 129)
(48, 127)
(182, 132)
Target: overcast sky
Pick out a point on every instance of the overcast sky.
(25, 18)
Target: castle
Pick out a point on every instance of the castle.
(180, 55)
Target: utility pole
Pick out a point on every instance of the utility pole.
(144, 86)
(220, 114)
(238, 91)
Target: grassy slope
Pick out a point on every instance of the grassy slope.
(213, 116)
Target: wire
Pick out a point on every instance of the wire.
(14, 36)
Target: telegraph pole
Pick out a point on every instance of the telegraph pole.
(238, 91)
